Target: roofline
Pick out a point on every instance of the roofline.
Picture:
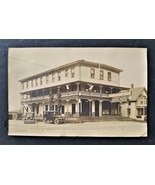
(139, 94)
(144, 89)
(78, 62)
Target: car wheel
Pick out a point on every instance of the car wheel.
(56, 121)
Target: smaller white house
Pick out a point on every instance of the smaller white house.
(136, 105)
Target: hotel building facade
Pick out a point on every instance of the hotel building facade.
(87, 89)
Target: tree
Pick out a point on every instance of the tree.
(59, 100)
(51, 100)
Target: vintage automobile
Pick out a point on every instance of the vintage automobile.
(29, 118)
(52, 116)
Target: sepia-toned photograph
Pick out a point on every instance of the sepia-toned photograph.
(84, 91)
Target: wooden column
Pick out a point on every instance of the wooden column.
(79, 101)
(100, 108)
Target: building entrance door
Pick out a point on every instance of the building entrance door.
(96, 108)
(73, 109)
(106, 105)
(85, 107)
(62, 109)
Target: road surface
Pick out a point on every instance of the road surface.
(99, 129)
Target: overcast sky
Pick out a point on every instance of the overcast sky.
(24, 62)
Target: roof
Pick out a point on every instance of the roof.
(135, 93)
(78, 62)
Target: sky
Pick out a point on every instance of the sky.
(24, 62)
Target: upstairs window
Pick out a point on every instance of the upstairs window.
(27, 85)
(31, 83)
(36, 82)
(41, 80)
(92, 73)
(72, 72)
(101, 75)
(66, 73)
(47, 79)
(53, 77)
(59, 76)
(109, 76)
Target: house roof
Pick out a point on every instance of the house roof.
(78, 62)
(135, 93)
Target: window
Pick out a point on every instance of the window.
(92, 73)
(26, 84)
(31, 83)
(66, 73)
(56, 107)
(59, 76)
(72, 72)
(140, 111)
(46, 107)
(53, 77)
(129, 111)
(41, 80)
(145, 111)
(73, 109)
(47, 79)
(141, 102)
(109, 76)
(101, 75)
(62, 109)
(36, 82)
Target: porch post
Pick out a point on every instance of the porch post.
(43, 93)
(93, 108)
(90, 107)
(100, 108)
(101, 90)
(111, 107)
(78, 103)
(67, 104)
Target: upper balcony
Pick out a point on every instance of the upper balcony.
(74, 90)
(64, 95)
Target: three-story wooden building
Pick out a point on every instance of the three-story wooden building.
(87, 89)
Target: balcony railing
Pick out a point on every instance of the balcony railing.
(65, 94)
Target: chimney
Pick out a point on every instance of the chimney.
(132, 86)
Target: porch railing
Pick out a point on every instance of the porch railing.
(64, 94)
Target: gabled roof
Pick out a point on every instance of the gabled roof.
(136, 92)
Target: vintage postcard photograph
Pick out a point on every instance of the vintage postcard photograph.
(85, 92)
